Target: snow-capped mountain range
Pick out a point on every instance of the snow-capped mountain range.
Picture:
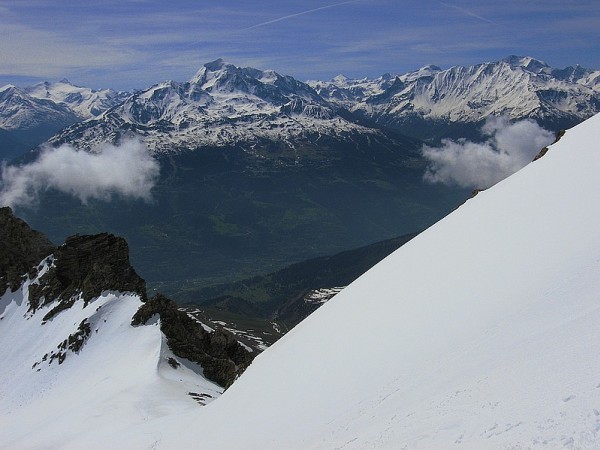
(518, 87)
(85, 102)
(21, 111)
(31, 115)
(221, 105)
(228, 105)
(48, 103)
(480, 332)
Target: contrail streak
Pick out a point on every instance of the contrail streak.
(279, 19)
(464, 11)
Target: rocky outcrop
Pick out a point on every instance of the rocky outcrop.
(543, 151)
(222, 358)
(84, 267)
(21, 249)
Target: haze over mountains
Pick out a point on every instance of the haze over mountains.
(480, 332)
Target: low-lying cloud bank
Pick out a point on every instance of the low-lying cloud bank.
(127, 170)
(508, 148)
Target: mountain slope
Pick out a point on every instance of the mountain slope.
(85, 102)
(289, 295)
(481, 331)
(26, 121)
(78, 334)
(432, 102)
(221, 105)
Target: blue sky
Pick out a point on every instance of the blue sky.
(130, 44)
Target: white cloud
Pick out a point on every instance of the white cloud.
(125, 170)
(508, 147)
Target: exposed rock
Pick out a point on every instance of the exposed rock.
(21, 249)
(74, 343)
(84, 267)
(222, 358)
(543, 151)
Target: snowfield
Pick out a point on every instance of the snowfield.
(119, 380)
(480, 333)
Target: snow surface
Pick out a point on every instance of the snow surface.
(322, 295)
(221, 105)
(517, 87)
(85, 102)
(479, 333)
(118, 380)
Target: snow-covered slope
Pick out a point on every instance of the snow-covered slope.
(221, 105)
(479, 333)
(121, 372)
(30, 116)
(85, 102)
(83, 348)
(23, 112)
(518, 87)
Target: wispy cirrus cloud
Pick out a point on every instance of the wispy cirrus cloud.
(133, 44)
(302, 13)
(466, 12)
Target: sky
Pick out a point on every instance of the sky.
(128, 44)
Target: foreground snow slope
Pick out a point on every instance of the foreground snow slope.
(481, 332)
(116, 382)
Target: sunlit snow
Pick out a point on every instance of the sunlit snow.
(479, 333)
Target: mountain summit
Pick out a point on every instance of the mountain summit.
(221, 105)
(432, 102)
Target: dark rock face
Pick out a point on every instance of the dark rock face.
(220, 355)
(559, 134)
(21, 249)
(86, 266)
(73, 343)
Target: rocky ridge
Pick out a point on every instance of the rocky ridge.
(21, 248)
(87, 268)
(221, 105)
(83, 101)
(518, 87)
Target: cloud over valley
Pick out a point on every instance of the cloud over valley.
(125, 170)
(507, 148)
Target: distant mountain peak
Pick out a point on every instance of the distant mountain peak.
(340, 78)
(526, 62)
(217, 64)
(9, 87)
(516, 86)
(213, 69)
